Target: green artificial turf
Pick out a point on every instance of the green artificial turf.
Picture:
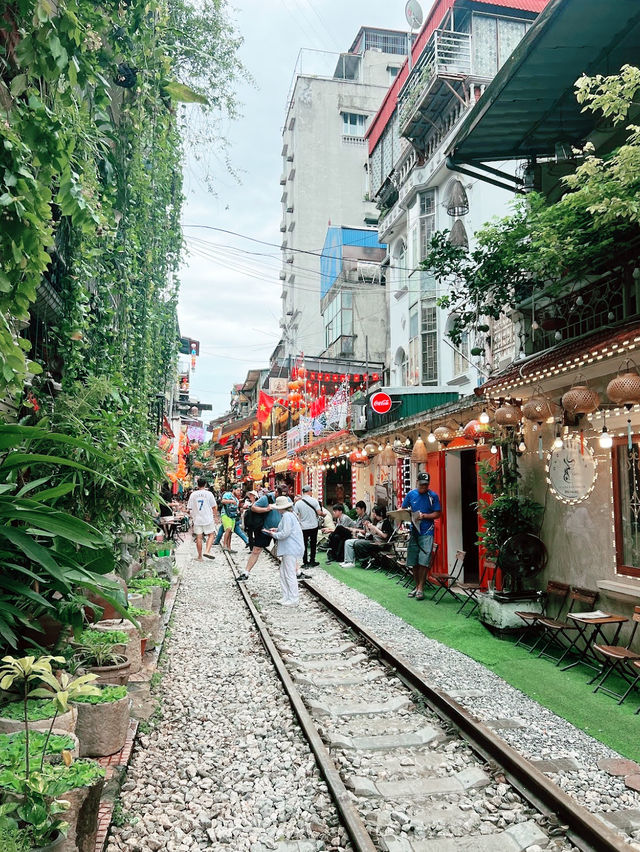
(565, 693)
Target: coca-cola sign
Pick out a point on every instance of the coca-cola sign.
(380, 403)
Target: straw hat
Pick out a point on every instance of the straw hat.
(283, 503)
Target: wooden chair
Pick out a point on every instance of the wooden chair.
(562, 633)
(617, 659)
(375, 561)
(469, 591)
(444, 582)
(554, 599)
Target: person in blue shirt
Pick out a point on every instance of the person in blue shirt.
(427, 503)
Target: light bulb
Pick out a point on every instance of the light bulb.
(407, 443)
(494, 449)
(363, 452)
(605, 440)
(380, 448)
(558, 444)
(484, 417)
(522, 447)
(432, 438)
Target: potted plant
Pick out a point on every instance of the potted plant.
(103, 721)
(158, 586)
(12, 747)
(12, 839)
(41, 713)
(103, 654)
(149, 622)
(132, 650)
(32, 786)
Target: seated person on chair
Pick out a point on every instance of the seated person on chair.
(377, 532)
(343, 531)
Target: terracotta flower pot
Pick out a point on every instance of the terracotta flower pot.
(115, 675)
(102, 728)
(143, 645)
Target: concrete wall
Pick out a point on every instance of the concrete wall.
(329, 185)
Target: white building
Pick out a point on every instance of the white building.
(459, 50)
(324, 178)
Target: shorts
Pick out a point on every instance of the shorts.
(209, 529)
(419, 550)
(258, 538)
(227, 522)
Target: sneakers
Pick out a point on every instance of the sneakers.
(243, 576)
(313, 565)
(347, 564)
(303, 576)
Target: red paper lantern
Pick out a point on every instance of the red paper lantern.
(302, 372)
(375, 377)
(356, 378)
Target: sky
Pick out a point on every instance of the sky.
(230, 300)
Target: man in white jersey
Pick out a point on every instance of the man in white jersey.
(201, 506)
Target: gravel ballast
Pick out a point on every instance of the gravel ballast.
(226, 766)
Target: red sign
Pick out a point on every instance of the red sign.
(380, 403)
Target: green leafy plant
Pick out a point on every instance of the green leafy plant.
(110, 637)
(106, 695)
(99, 650)
(33, 809)
(37, 710)
(146, 584)
(12, 746)
(13, 839)
(136, 612)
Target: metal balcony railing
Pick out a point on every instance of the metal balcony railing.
(446, 55)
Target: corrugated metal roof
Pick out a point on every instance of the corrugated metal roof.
(530, 105)
(434, 19)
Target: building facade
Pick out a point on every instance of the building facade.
(324, 179)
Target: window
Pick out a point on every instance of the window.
(393, 72)
(427, 222)
(461, 356)
(626, 484)
(429, 343)
(338, 318)
(494, 39)
(353, 124)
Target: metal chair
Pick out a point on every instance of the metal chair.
(444, 582)
(470, 591)
(556, 594)
(617, 659)
(563, 634)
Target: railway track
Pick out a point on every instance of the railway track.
(409, 769)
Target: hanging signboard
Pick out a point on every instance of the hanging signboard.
(381, 403)
(572, 471)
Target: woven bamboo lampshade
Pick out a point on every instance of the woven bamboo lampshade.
(538, 409)
(475, 430)
(458, 235)
(625, 388)
(580, 399)
(508, 415)
(420, 454)
(387, 456)
(457, 199)
(444, 434)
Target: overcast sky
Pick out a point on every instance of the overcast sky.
(230, 300)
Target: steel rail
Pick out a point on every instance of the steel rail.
(358, 834)
(584, 829)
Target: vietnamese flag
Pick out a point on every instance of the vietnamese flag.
(265, 404)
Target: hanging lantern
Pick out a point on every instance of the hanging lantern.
(580, 399)
(387, 456)
(625, 388)
(475, 431)
(538, 409)
(508, 415)
(371, 449)
(458, 235)
(419, 454)
(444, 434)
(457, 202)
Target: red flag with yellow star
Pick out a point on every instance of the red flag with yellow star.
(265, 404)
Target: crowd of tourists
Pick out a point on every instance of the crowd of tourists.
(292, 529)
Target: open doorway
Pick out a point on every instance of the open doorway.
(469, 499)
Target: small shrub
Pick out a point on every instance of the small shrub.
(37, 710)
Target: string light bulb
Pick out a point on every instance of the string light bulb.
(522, 447)
(558, 443)
(484, 417)
(605, 440)
(494, 449)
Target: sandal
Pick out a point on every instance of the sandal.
(419, 596)
(412, 594)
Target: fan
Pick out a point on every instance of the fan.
(521, 557)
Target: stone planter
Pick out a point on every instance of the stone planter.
(149, 625)
(82, 817)
(65, 724)
(102, 728)
(156, 604)
(115, 675)
(50, 847)
(133, 644)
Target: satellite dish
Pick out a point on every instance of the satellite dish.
(413, 11)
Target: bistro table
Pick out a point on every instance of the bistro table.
(591, 630)
(172, 524)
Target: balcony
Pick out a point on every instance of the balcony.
(445, 61)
